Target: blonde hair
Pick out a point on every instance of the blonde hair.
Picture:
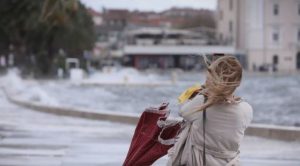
(223, 77)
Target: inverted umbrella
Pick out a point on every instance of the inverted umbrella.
(152, 138)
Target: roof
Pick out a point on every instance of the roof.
(177, 50)
(116, 14)
(93, 12)
(160, 31)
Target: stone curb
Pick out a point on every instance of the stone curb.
(284, 133)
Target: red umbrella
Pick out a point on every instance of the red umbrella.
(145, 147)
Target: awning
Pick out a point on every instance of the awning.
(176, 50)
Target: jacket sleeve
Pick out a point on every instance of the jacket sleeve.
(190, 106)
(248, 114)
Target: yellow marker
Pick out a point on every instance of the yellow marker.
(188, 93)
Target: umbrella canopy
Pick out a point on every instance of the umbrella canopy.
(145, 148)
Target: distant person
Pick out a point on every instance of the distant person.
(11, 59)
(3, 61)
(215, 119)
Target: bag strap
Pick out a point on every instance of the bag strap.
(204, 122)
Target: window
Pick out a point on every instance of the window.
(299, 35)
(230, 5)
(230, 26)
(275, 59)
(298, 61)
(275, 62)
(275, 36)
(276, 9)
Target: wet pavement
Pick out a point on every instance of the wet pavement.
(29, 138)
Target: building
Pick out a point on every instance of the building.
(114, 22)
(184, 12)
(189, 17)
(147, 19)
(168, 48)
(109, 26)
(267, 31)
(121, 34)
(96, 16)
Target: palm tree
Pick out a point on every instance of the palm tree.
(42, 27)
(56, 13)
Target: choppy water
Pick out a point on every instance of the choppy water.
(275, 99)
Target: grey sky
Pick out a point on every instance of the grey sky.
(156, 5)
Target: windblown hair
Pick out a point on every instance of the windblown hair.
(223, 77)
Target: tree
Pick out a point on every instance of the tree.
(42, 27)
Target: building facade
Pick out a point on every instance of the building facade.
(267, 31)
(169, 48)
(156, 48)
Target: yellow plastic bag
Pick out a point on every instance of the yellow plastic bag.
(188, 93)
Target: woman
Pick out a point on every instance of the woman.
(215, 120)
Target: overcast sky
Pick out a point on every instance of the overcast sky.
(156, 5)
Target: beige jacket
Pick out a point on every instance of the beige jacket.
(225, 126)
